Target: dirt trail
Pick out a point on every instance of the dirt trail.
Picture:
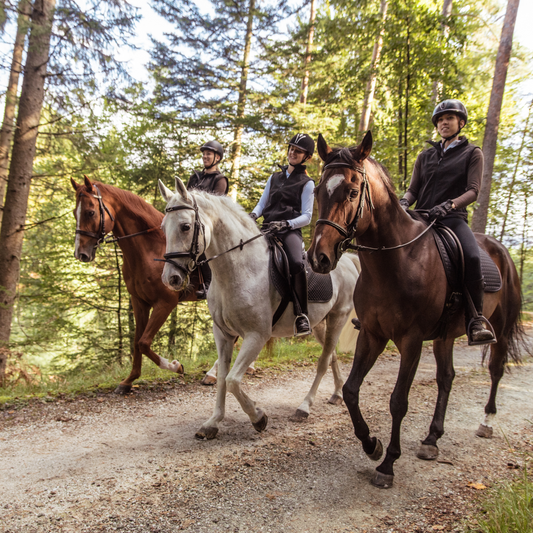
(132, 464)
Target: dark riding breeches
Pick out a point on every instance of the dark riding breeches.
(470, 248)
(292, 244)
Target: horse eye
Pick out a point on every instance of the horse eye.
(354, 193)
(90, 213)
(185, 227)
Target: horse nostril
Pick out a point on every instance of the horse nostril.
(324, 262)
(174, 281)
(84, 257)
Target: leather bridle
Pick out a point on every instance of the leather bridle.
(350, 231)
(100, 236)
(194, 250)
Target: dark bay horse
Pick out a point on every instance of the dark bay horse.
(401, 293)
(101, 209)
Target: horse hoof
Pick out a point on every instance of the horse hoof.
(377, 453)
(208, 380)
(206, 433)
(123, 389)
(335, 400)
(261, 424)
(177, 367)
(299, 416)
(250, 371)
(382, 481)
(427, 452)
(484, 431)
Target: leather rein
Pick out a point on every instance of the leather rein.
(101, 235)
(194, 250)
(350, 232)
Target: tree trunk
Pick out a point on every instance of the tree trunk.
(479, 220)
(20, 173)
(515, 172)
(241, 103)
(446, 12)
(406, 118)
(371, 83)
(523, 247)
(310, 37)
(173, 329)
(6, 133)
(120, 347)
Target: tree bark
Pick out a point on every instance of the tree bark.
(6, 133)
(371, 83)
(446, 12)
(241, 103)
(490, 138)
(310, 38)
(20, 173)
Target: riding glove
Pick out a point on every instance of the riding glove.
(253, 216)
(277, 225)
(404, 203)
(440, 210)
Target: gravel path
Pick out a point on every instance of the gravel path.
(109, 463)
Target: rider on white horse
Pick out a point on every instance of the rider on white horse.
(210, 180)
(286, 206)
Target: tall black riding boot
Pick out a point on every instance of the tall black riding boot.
(302, 326)
(478, 328)
(201, 293)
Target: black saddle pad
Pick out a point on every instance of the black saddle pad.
(319, 286)
(452, 259)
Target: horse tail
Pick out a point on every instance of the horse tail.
(354, 258)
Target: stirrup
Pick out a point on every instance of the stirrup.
(489, 327)
(201, 294)
(302, 333)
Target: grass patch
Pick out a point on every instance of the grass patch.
(280, 355)
(508, 508)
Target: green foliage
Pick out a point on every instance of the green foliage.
(508, 508)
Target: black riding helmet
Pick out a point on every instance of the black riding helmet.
(214, 146)
(303, 142)
(449, 106)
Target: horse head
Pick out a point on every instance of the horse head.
(185, 235)
(343, 199)
(94, 219)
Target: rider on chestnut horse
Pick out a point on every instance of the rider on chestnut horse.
(210, 180)
(447, 178)
(286, 206)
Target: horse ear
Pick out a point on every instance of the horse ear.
(166, 193)
(322, 146)
(363, 150)
(180, 187)
(88, 183)
(75, 185)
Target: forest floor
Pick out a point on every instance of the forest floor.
(132, 464)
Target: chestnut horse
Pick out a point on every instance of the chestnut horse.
(136, 225)
(401, 293)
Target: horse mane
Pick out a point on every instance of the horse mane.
(134, 203)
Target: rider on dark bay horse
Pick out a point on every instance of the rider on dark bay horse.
(286, 206)
(446, 179)
(210, 180)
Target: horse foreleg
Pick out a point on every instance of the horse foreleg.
(159, 314)
(211, 376)
(141, 312)
(443, 351)
(251, 346)
(410, 356)
(366, 352)
(224, 344)
(498, 356)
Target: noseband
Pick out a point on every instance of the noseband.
(350, 231)
(101, 230)
(194, 250)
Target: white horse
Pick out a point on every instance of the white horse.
(241, 298)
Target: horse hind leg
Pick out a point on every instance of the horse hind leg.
(498, 358)
(443, 351)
